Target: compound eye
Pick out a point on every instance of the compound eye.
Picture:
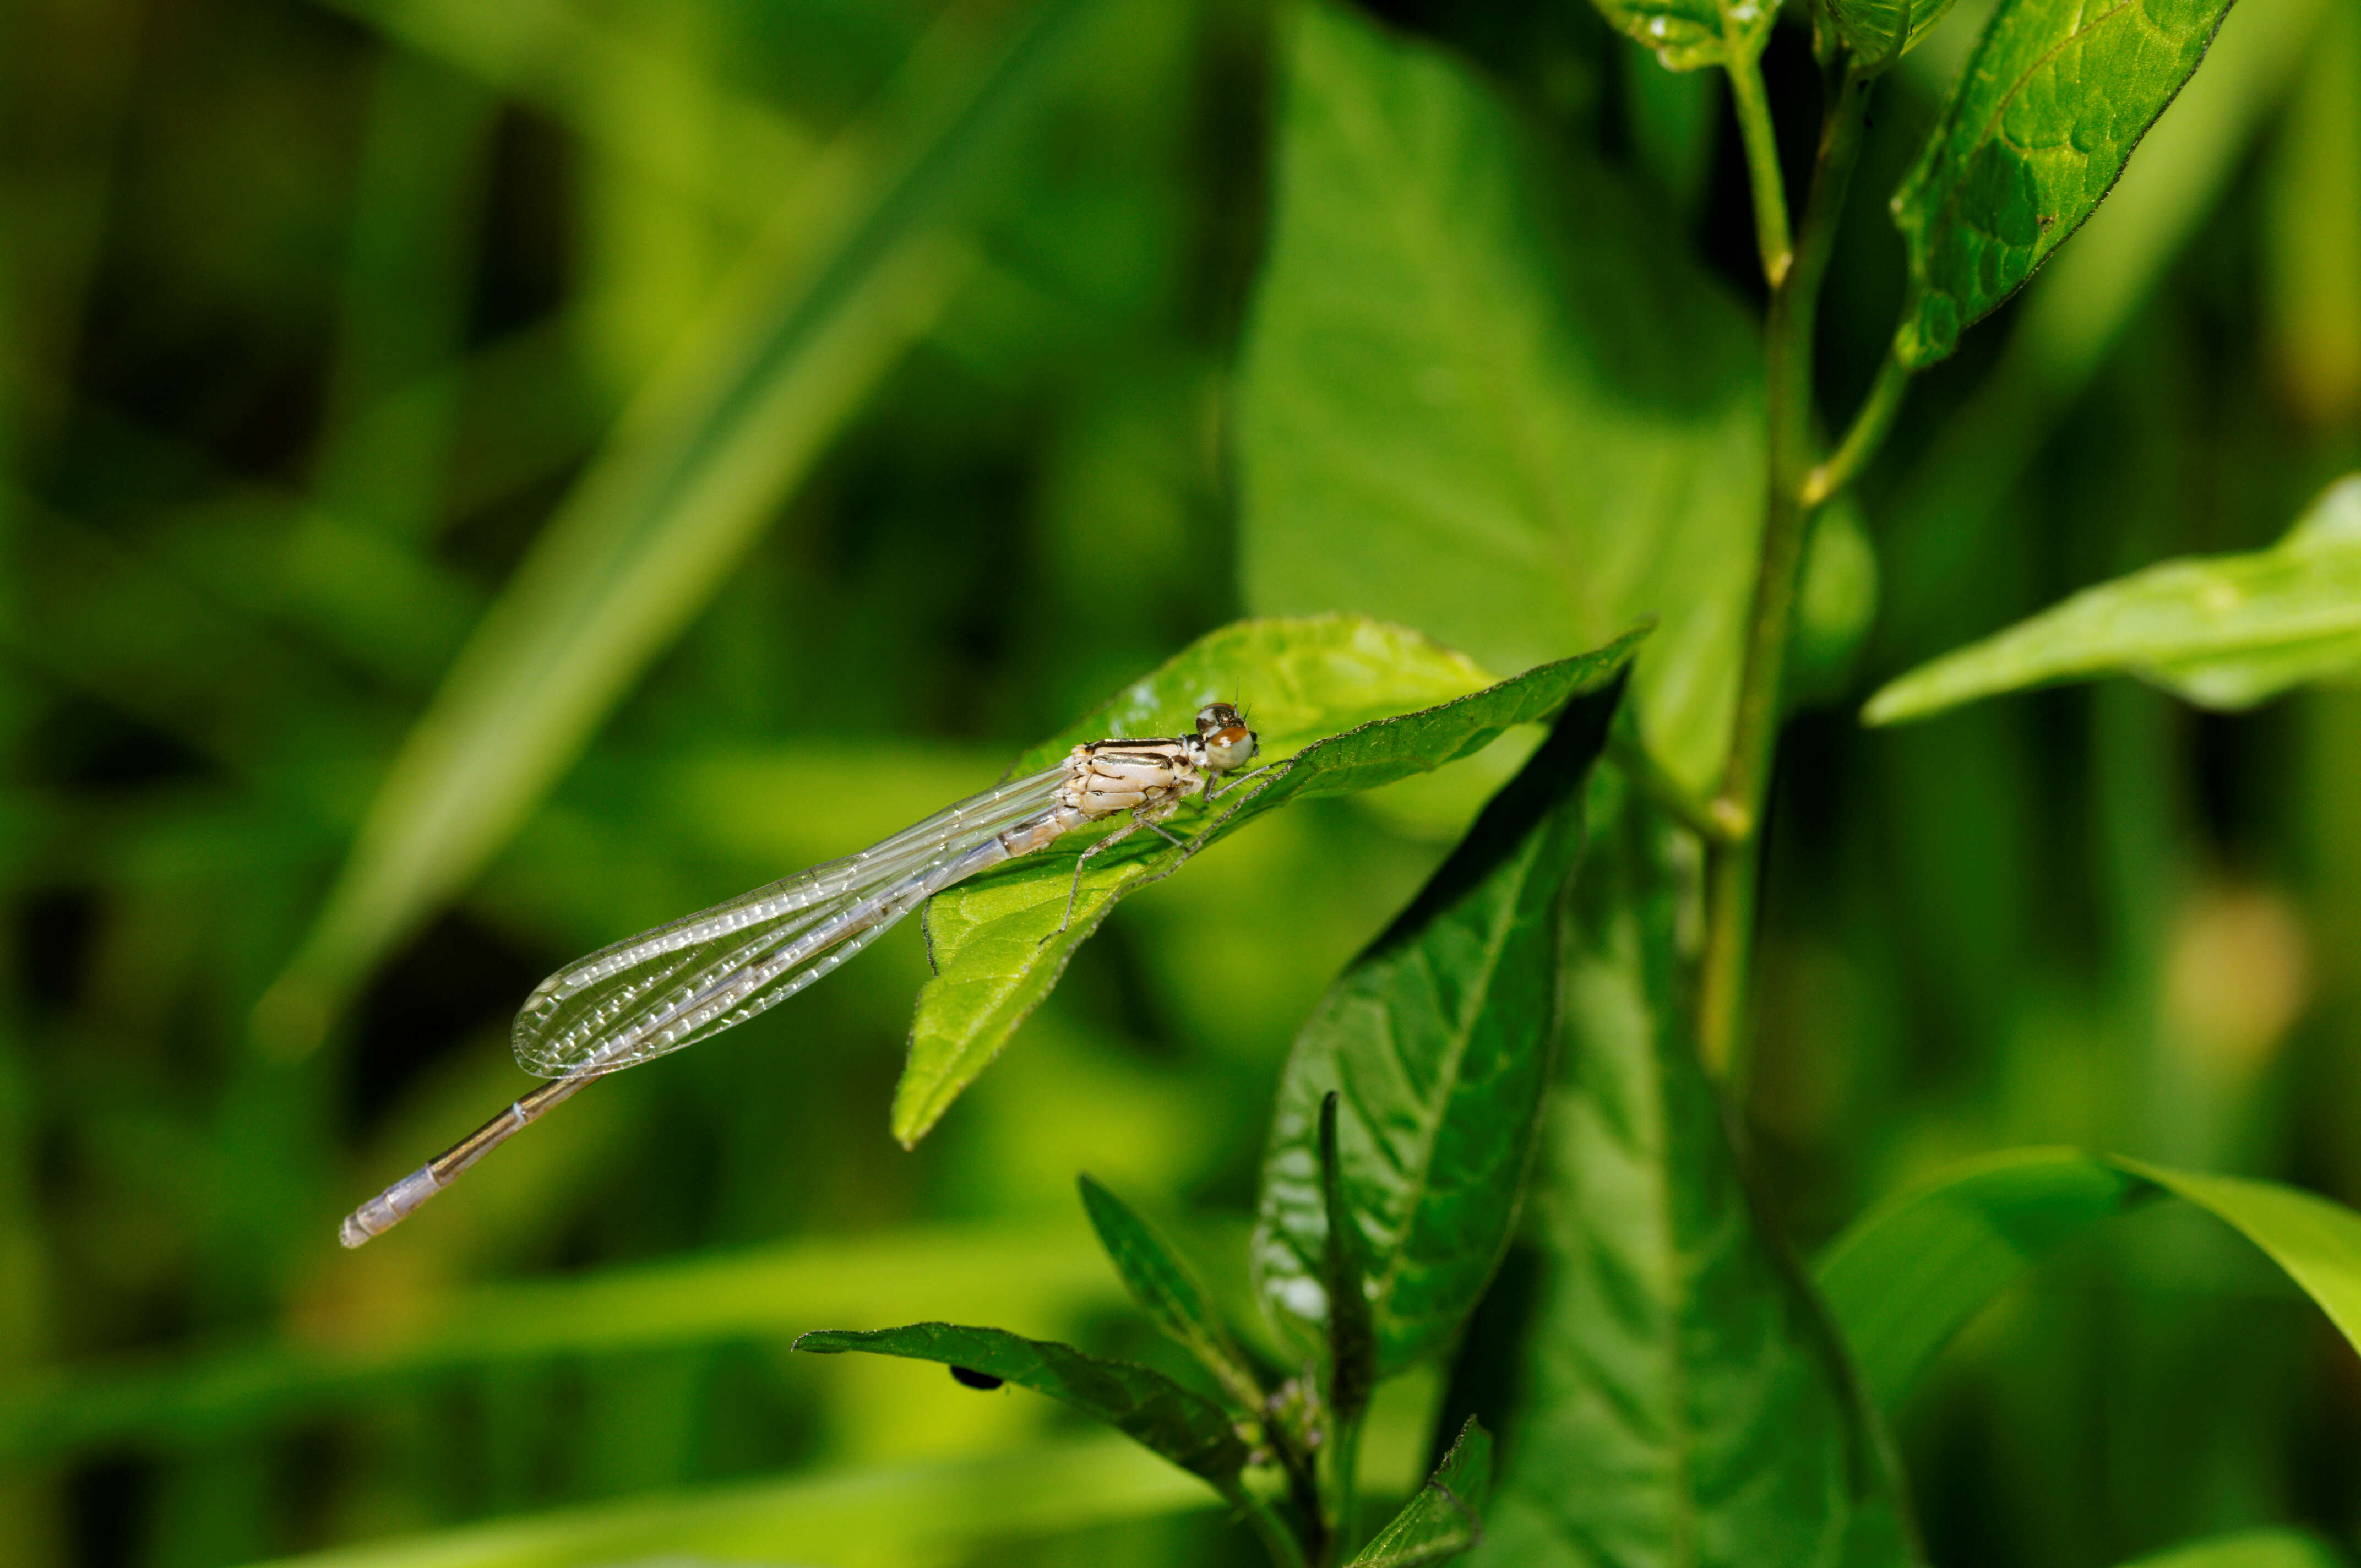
(1216, 717)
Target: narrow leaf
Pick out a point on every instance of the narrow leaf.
(1687, 34)
(681, 490)
(1447, 1517)
(2054, 99)
(1687, 1401)
(1187, 1429)
(1477, 359)
(2224, 631)
(1170, 1293)
(1439, 1038)
(1351, 1334)
(997, 946)
(1903, 1278)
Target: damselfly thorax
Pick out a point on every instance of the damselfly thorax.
(690, 979)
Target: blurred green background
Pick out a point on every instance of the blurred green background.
(673, 444)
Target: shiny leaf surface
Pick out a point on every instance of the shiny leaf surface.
(1439, 1040)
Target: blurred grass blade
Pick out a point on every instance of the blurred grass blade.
(1144, 1405)
(605, 85)
(1484, 395)
(996, 944)
(2311, 232)
(348, 1355)
(2054, 99)
(2248, 1549)
(1170, 1293)
(688, 481)
(1685, 1396)
(911, 1513)
(1447, 1517)
(1903, 1278)
(1440, 1038)
(2224, 631)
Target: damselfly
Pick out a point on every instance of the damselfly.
(690, 981)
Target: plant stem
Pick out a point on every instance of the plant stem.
(1738, 809)
(1343, 1462)
(1286, 1551)
(1867, 434)
(1754, 128)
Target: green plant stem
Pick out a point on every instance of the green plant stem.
(1286, 1551)
(1344, 1465)
(1867, 434)
(1738, 809)
(1754, 128)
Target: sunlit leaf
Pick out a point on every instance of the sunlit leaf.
(997, 941)
(1688, 1400)
(1903, 1278)
(1483, 396)
(1170, 1292)
(1439, 1038)
(2224, 630)
(1145, 1406)
(682, 488)
(2053, 101)
(1447, 1517)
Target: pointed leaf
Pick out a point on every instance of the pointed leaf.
(997, 946)
(2054, 99)
(1687, 1400)
(2222, 630)
(1170, 1292)
(1439, 1037)
(1447, 1517)
(1187, 1429)
(1484, 394)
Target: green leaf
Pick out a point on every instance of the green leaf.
(2224, 631)
(1170, 1293)
(2248, 1549)
(1687, 1401)
(1687, 34)
(1144, 1405)
(2053, 99)
(1351, 1332)
(1903, 1278)
(1880, 32)
(1484, 395)
(997, 941)
(1445, 1517)
(682, 488)
(1440, 1039)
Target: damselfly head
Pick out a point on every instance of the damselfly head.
(1228, 742)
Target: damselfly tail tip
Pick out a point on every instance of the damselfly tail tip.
(353, 1232)
(389, 1208)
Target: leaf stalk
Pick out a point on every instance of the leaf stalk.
(1868, 434)
(1752, 101)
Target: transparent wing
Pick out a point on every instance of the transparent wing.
(685, 982)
